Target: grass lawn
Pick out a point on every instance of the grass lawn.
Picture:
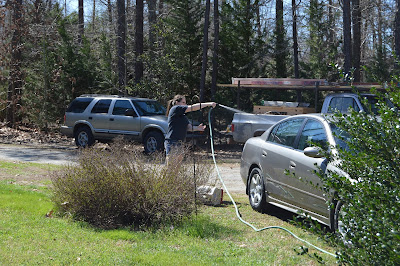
(30, 234)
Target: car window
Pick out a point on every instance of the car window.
(79, 105)
(149, 107)
(342, 104)
(121, 106)
(341, 137)
(285, 132)
(101, 107)
(313, 133)
(372, 104)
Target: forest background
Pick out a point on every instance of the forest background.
(52, 52)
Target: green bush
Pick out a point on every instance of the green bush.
(372, 203)
(120, 186)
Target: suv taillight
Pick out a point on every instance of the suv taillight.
(232, 127)
(65, 118)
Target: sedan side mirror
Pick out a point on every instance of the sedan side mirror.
(130, 112)
(314, 152)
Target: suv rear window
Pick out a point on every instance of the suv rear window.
(79, 105)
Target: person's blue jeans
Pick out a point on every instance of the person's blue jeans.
(170, 144)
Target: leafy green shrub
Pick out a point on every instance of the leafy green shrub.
(120, 186)
(372, 202)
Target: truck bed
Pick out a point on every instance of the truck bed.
(246, 125)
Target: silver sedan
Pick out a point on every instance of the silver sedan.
(279, 167)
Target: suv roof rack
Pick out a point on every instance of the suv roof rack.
(102, 95)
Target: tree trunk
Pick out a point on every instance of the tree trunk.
(347, 36)
(205, 50)
(380, 27)
(109, 10)
(139, 41)
(215, 51)
(331, 23)
(94, 14)
(152, 23)
(356, 52)
(80, 21)
(397, 30)
(258, 18)
(295, 48)
(121, 43)
(14, 92)
(280, 58)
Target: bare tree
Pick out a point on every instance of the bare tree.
(121, 43)
(347, 35)
(397, 30)
(205, 50)
(295, 47)
(356, 51)
(80, 21)
(215, 51)
(94, 14)
(280, 52)
(15, 78)
(139, 41)
(152, 5)
(109, 10)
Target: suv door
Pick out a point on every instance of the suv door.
(99, 118)
(121, 123)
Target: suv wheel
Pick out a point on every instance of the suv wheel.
(153, 141)
(84, 137)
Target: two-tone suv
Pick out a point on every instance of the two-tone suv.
(103, 117)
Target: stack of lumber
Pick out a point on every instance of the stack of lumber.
(282, 110)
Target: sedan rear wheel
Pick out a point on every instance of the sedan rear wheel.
(256, 190)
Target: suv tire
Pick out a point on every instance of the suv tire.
(153, 141)
(84, 137)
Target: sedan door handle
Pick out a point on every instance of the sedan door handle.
(292, 165)
(90, 118)
(111, 119)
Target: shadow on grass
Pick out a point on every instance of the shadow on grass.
(297, 220)
(203, 227)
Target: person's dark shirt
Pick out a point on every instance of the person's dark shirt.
(177, 123)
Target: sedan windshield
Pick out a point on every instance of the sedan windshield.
(149, 107)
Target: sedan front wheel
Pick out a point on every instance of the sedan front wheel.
(256, 190)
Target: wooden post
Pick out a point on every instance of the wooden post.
(316, 96)
(238, 96)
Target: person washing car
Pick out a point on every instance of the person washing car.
(178, 123)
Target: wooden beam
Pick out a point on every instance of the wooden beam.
(321, 87)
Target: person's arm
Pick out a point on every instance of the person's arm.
(197, 106)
